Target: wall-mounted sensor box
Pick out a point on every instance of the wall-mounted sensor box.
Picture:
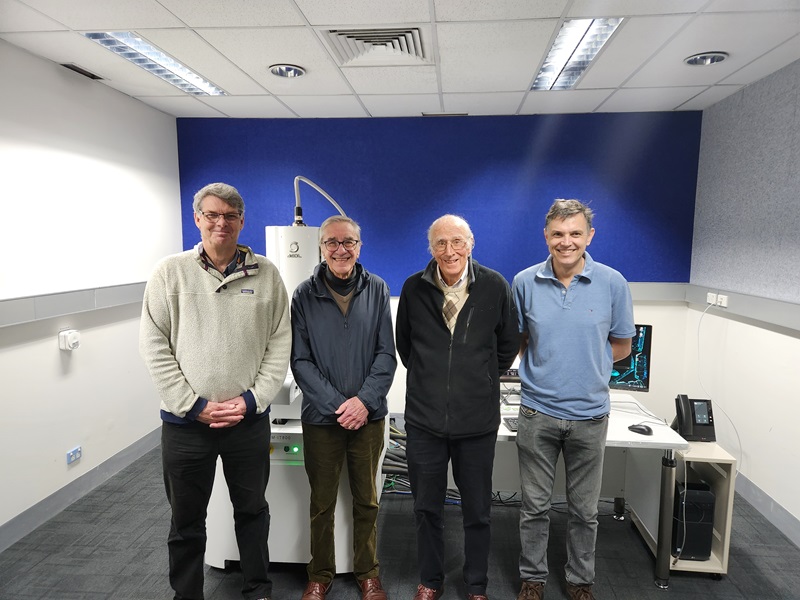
(69, 339)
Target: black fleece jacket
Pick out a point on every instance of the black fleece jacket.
(452, 382)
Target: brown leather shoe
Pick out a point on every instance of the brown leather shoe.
(371, 589)
(316, 590)
(579, 592)
(426, 593)
(531, 590)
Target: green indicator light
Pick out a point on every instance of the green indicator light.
(295, 449)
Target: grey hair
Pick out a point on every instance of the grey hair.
(339, 219)
(227, 193)
(460, 221)
(563, 209)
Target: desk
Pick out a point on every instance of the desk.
(639, 465)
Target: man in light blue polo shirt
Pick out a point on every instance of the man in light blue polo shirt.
(576, 319)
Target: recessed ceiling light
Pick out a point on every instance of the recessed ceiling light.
(705, 58)
(145, 56)
(287, 70)
(577, 43)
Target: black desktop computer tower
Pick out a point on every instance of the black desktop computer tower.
(693, 521)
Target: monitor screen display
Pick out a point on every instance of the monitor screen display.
(633, 372)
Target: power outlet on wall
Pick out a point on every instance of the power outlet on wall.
(74, 454)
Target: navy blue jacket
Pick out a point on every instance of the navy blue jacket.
(453, 381)
(336, 356)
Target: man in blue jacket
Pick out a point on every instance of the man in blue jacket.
(456, 334)
(343, 359)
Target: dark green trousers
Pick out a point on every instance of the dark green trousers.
(326, 447)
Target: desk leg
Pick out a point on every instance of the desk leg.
(668, 468)
(619, 509)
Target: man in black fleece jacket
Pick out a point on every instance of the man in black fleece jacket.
(456, 334)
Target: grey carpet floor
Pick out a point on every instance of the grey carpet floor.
(111, 544)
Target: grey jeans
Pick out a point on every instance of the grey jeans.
(540, 439)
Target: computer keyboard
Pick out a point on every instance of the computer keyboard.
(510, 376)
(511, 423)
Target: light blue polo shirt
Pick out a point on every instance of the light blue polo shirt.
(567, 365)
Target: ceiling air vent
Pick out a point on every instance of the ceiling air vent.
(377, 47)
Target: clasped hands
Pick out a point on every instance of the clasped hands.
(352, 413)
(223, 414)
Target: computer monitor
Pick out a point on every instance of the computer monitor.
(633, 372)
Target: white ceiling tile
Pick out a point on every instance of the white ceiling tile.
(751, 5)
(649, 99)
(710, 96)
(235, 13)
(491, 57)
(481, 10)
(254, 50)
(717, 32)
(778, 58)
(364, 12)
(401, 105)
(631, 45)
(196, 53)
(181, 106)
(324, 106)
(500, 103)
(15, 16)
(563, 101)
(107, 15)
(624, 8)
(393, 80)
(248, 107)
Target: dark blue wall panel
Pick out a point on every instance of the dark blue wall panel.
(638, 171)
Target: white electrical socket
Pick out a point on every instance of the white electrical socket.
(722, 300)
(74, 454)
(711, 298)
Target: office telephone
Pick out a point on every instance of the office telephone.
(694, 419)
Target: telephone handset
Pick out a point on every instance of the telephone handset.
(694, 419)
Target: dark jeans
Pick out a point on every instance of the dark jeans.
(472, 460)
(189, 455)
(326, 449)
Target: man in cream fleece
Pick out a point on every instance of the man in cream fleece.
(216, 337)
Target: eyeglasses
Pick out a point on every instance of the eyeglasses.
(213, 217)
(333, 245)
(455, 243)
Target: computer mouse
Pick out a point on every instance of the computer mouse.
(641, 428)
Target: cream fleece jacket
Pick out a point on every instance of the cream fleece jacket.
(205, 337)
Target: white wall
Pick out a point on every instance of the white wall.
(98, 397)
(90, 199)
(751, 374)
(90, 181)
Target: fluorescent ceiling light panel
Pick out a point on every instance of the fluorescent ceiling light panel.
(576, 45)
(133, 48)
